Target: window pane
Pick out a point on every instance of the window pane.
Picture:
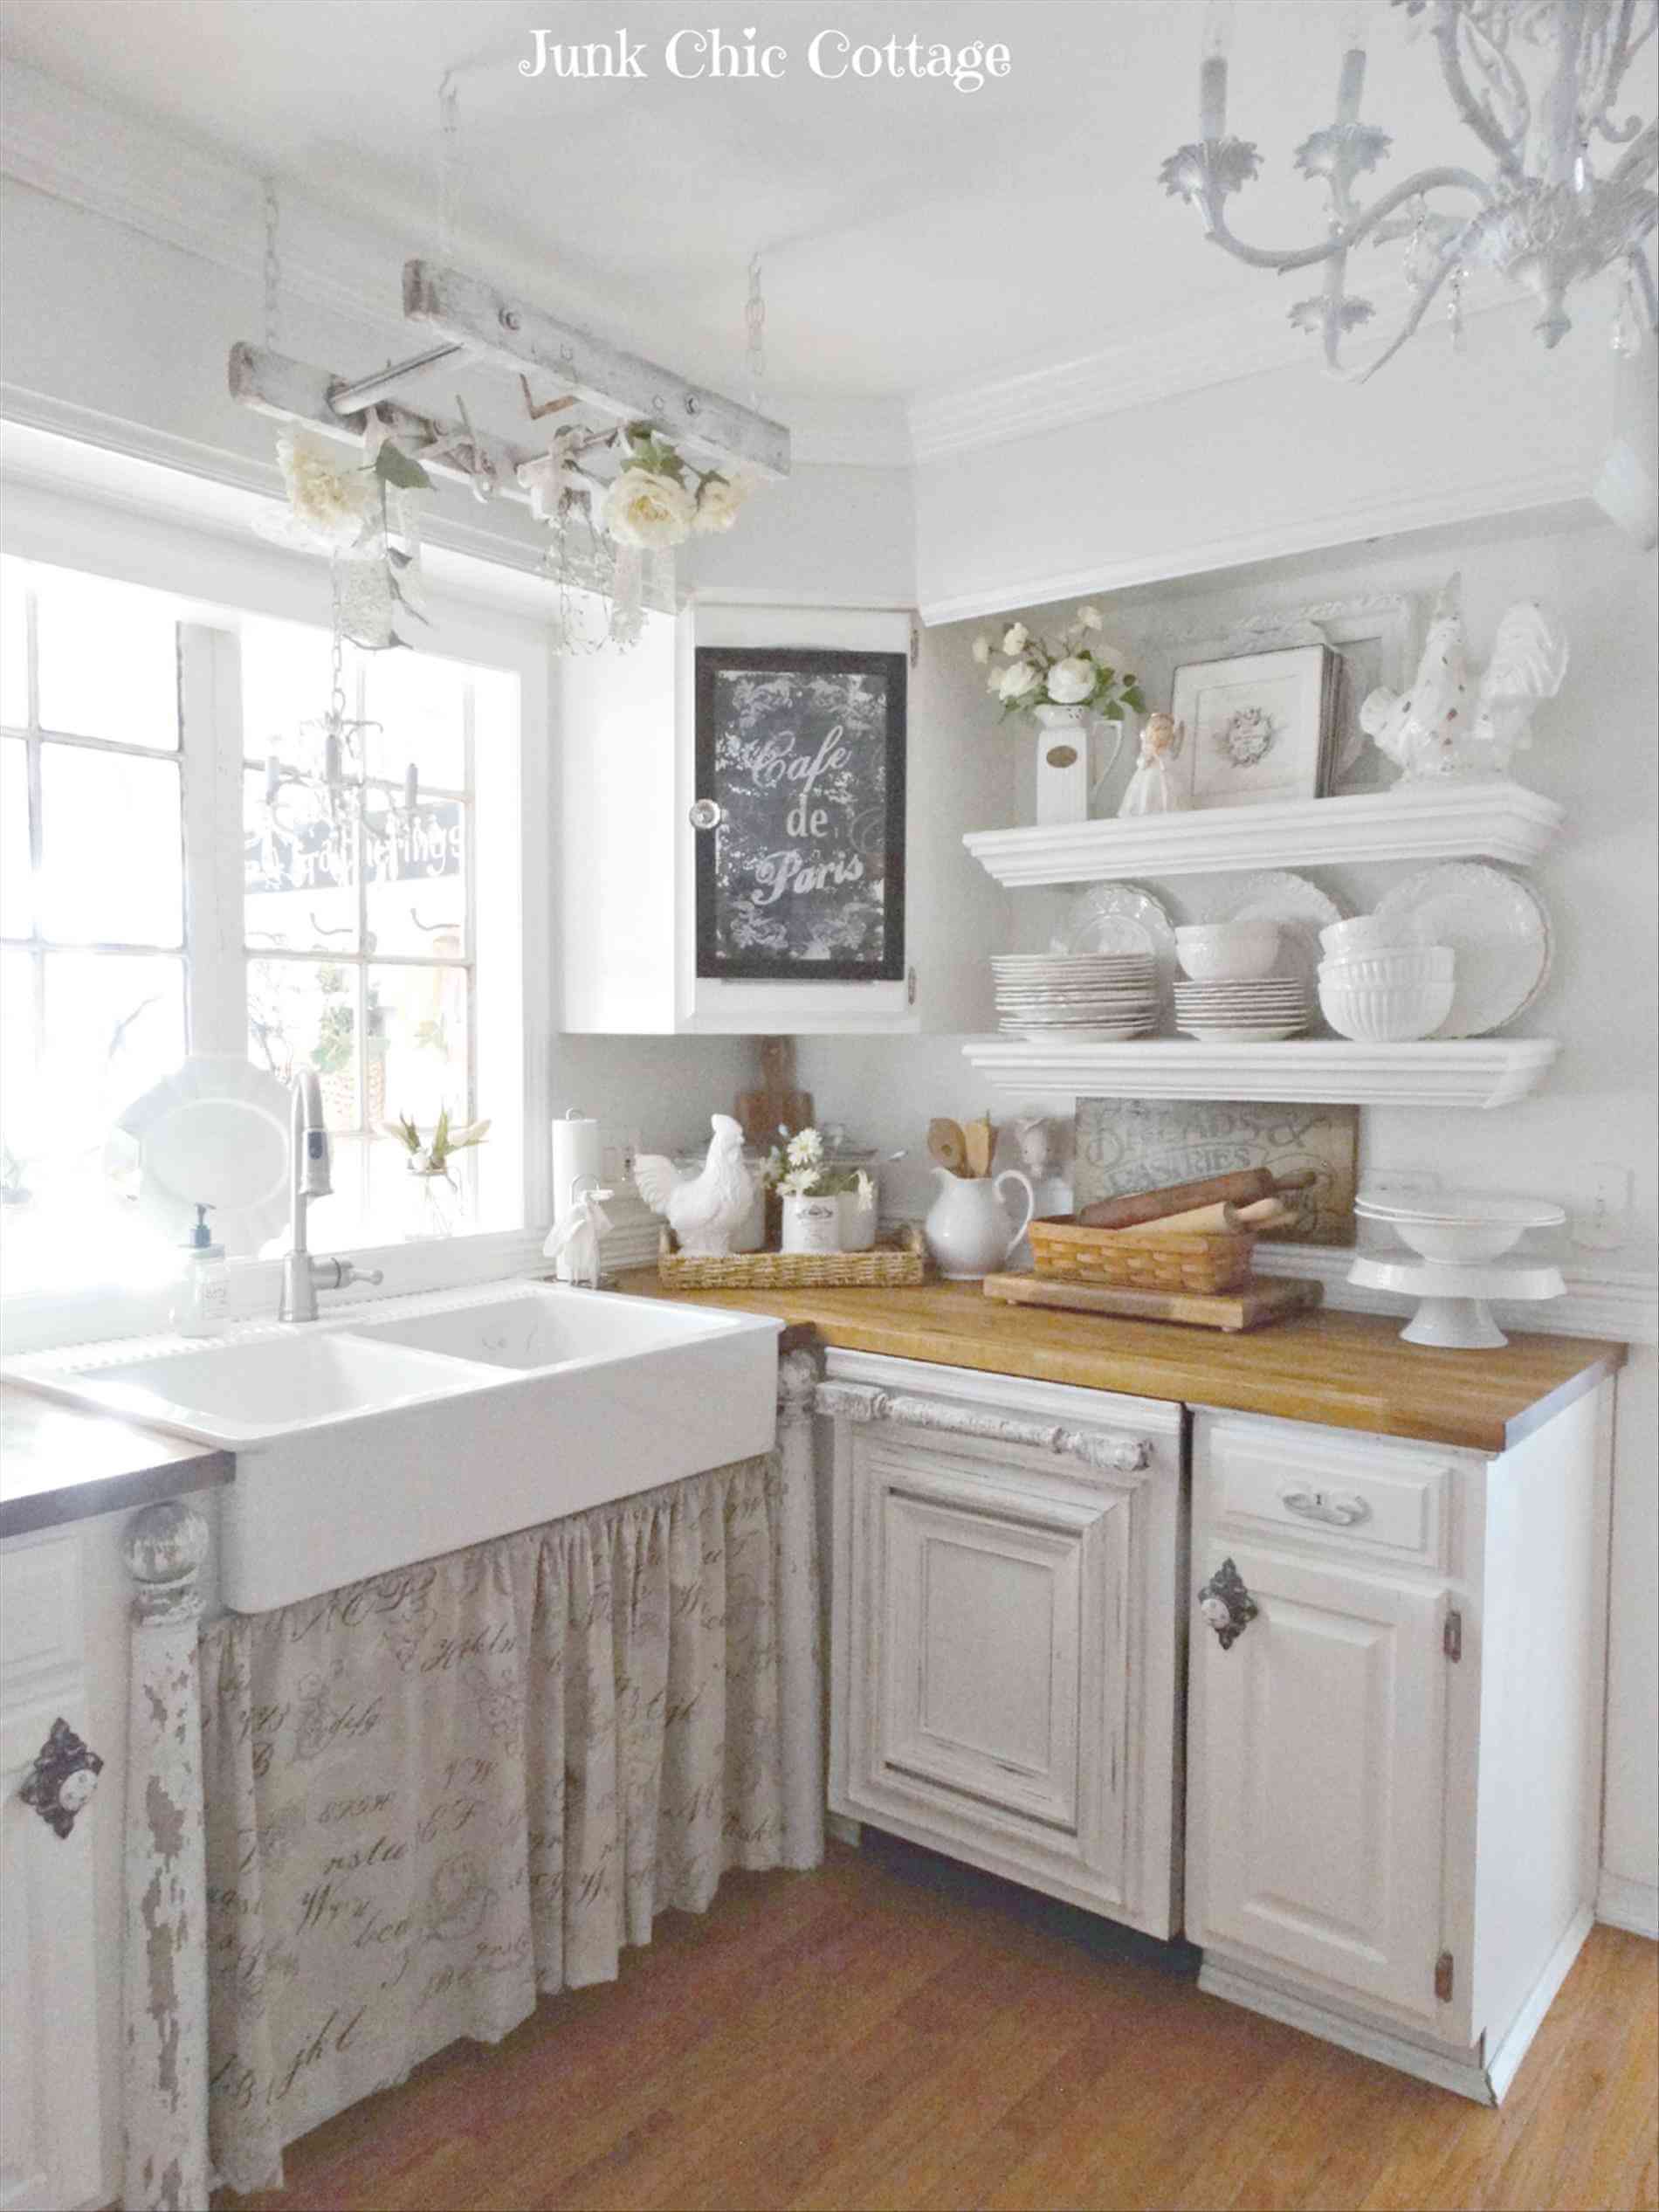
(299, 873)
(417, 884)
(20, 1125)
(108, 657)
(421, 1018)
(286, 682)
(16, 889)
(420, 702)
(14, 646)
(111, 867)
(304, 1014)
(115, 1026)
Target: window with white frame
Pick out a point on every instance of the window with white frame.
(175, 875)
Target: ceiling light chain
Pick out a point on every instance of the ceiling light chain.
(755, 316)
(448, 162)
(272, 261)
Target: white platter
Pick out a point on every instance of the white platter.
(214, 1133)
(1498, 927)
(1250, 1033)
(1078, 1034)
(1300, 909)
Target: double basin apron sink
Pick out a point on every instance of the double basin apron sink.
(391, 1433)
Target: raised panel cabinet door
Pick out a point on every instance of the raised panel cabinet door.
(997, 1689)
(1318, 1772)
(49, 2112)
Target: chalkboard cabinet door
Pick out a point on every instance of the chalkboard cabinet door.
(830, 893)
(800, 814)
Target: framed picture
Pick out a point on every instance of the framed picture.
(801, 815)
(1259, 725)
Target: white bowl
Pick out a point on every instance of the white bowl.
(1385, 1013)
(1362, 933)
(1416, 965)
(1224, 951)
(1461, 1244)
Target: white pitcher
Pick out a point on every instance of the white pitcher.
(966, 1227)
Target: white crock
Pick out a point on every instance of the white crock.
(812, 1224)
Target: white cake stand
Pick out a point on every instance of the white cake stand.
(1452, 1309)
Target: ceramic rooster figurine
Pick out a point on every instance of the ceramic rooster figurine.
(701, 1209)
(1444, 726)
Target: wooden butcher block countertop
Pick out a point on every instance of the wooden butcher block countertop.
(1348, 1370)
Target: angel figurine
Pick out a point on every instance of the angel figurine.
(1151, 790)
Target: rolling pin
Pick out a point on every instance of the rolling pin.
(1242, 1188)
(1220, 1220)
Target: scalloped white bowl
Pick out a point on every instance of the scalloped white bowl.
(1406, 967)
(1385, 1013)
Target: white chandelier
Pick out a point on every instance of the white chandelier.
(1538, 81)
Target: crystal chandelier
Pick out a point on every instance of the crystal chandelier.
(1538, 82)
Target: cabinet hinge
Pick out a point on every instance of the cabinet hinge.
(910, 987)
(915, 643)
(1451, 1637)
(1445, 1969)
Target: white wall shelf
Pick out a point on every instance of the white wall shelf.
(1466, 1071)
(1429, 821)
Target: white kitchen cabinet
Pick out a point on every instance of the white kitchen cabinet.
(1004, 1623)
(50, 2120)
(627, 878)
(1394, 1757)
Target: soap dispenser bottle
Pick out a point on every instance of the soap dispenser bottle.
(202, 1306)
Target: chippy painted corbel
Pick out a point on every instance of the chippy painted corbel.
(164, 2086)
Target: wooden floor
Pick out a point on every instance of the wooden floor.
(890, 2033)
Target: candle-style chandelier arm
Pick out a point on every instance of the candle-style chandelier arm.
(1348, 234)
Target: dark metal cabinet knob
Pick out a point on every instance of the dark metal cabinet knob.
(62, 1779)
(1227, 1605)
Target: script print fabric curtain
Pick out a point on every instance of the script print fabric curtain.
(434, 1795)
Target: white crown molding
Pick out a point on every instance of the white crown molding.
(1348, 522)
(1052, 389)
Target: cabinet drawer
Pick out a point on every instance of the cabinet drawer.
(39, 1611)
(1369, 1498)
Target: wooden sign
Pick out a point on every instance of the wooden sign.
(1131, 1145)
(800, 778)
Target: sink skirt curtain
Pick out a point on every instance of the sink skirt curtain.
(434, 1795)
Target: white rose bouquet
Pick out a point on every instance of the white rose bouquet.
(1078, 668)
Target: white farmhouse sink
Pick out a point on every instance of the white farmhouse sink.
(240, 1393)
(390, 1432)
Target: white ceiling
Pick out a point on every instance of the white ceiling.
(916, 237)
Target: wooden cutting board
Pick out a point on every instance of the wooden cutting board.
(1262, 1298)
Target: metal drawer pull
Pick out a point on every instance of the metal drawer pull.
(1227, 1605)
(1337, 1508)
(61, 1778)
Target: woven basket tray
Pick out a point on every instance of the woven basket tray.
(1066, 1252)
(886, 1267)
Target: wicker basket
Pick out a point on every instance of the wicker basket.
(884, 1267)
(1067, 1251)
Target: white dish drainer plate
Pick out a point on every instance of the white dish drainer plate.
(214, 1132)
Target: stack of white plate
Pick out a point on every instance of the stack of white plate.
(1249, 1011)
(1101, 998)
